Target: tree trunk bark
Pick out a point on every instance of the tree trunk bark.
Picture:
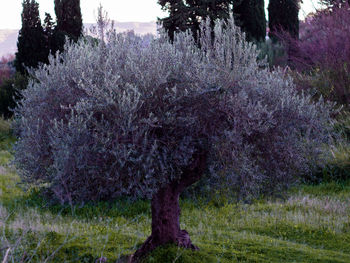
(166, 211)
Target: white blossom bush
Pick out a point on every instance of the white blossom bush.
(127, 117)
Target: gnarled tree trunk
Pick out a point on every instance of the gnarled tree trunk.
(166, 211)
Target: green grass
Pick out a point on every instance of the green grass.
(311, 225)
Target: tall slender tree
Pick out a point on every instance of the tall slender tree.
(69, 22)
(49, 27)
(283, 15)
(31, 40)
(250, 16)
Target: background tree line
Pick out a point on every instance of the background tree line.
(248, 14)
(37, 39)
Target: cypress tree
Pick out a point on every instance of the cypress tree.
(31, 39)
(48, 31)
(188, 14)
(250, 16)
(69, 22)
(283, 15)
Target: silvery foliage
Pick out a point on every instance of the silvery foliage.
(125, 117)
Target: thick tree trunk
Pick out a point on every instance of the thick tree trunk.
(165, 222)
(166, 212)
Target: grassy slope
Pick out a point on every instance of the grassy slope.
(312, 225)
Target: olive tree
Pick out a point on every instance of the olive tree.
(149, 117)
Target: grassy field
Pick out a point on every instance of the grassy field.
(311, 225)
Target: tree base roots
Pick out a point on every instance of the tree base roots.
(182, 240)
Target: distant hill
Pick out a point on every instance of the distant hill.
(141, 28)
(8, 41)
(8, 37)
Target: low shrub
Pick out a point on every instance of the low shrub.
(10, 93)
(342, 125)
(336, 166)
(6, 68)
(5, 126)
(336, 169)
(274, 52)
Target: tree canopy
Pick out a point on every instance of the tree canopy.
(184, 15)
(147, 118)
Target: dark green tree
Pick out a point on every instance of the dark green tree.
(69, 22)
(188, 14)
(10, 93)
(31, 44)
(283, 16)
(178, 16)
(49, 27)
(250, 16)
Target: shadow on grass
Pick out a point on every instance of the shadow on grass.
(124, 207)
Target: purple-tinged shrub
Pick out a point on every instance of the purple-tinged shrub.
(149, 118)
(5, 69)
(322, 53)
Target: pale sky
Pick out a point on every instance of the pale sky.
(119, 10)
